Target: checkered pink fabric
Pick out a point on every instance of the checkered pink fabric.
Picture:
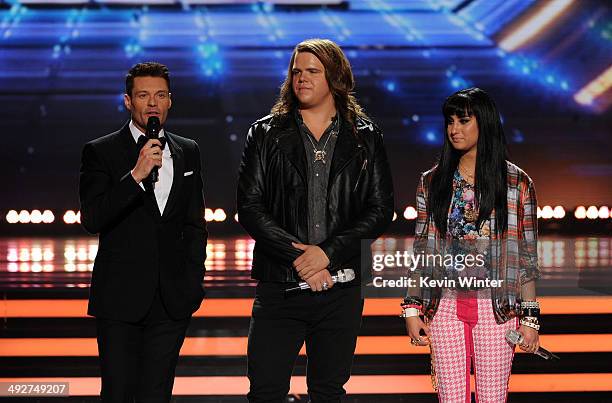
(464, 333)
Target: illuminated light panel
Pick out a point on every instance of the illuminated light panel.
(534, 25)
(242, 307)
(358, 384)
(602, 83)
(237, 346)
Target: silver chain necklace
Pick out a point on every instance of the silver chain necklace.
(320, 154)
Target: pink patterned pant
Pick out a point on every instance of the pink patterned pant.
(464, 333)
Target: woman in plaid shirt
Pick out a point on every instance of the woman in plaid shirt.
(474, 202)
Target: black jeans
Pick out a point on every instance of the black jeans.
(328, 322)
(138, 360)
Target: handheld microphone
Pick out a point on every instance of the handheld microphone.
(153, 127)
(516, 338)
(342, 276)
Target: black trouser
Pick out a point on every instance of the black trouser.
(138, 360)
(327, 321)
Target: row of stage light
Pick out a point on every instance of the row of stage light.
(220, 215)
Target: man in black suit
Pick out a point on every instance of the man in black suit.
(148, 273)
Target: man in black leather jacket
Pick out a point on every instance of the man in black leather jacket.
(314, 181)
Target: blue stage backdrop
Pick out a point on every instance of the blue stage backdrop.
(548, 64)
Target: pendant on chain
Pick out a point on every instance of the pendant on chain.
(320, 156)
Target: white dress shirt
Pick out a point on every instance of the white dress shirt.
(166, 172)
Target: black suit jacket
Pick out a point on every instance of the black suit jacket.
(140, 249)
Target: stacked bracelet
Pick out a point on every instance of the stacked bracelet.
(409, 300)
(530, 304)
(531, 325)
(410, 312)
(531, 321)
(530, 312)
(411, 306)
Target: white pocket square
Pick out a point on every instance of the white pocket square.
(188, 173)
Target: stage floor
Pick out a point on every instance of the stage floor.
(46, 335)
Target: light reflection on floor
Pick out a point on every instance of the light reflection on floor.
(67, 262)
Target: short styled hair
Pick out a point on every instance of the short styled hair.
(146, 69)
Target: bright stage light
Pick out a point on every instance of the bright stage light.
(70, 217)
(219, 215)
(602, 83)
(534, 25)
(209, 215)
(558, 212)
(12, 217)
(592, 212)
(547, 212)
(35, 217)
(410, 213)
(24, 216)
(48, 217)
(580, 212)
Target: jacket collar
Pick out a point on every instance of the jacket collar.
(287, 136)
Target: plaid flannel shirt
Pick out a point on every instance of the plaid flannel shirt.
(513, 256)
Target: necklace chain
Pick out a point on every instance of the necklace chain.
(320, 154)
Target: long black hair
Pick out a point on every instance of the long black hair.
(491, 169)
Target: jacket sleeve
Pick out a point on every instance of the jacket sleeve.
(253, 214)
(376, 215)
(194, 227)
(528, 246)
(102, 201)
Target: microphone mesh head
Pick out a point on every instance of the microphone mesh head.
(153, 125)
(514, 337)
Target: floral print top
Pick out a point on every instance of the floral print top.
(462, 229)
(463, 214)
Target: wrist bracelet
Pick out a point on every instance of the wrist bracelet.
(410, 312)
(531, 312)
(530, 304)
(409, 300)
(531, 325)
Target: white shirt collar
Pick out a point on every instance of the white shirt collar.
(136, 133)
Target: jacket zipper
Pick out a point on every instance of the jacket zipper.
(363, 167)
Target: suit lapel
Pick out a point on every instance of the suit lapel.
(178, 164)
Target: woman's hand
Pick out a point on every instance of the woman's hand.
(414, 325)
(531, 339)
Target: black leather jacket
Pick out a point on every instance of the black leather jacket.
(272, 200)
